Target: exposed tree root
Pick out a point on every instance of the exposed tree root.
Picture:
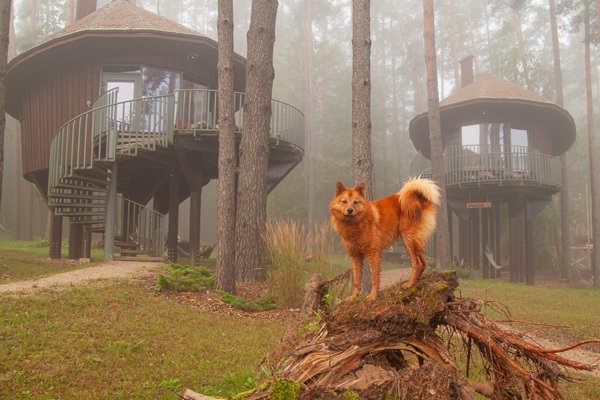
(411, 344)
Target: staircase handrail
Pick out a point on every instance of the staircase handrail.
(141, 226)
(92, 136)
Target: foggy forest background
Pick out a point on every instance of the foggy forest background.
(509, 38)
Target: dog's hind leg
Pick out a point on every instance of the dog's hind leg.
(417, 262)
(357, 266)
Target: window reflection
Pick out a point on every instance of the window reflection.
(491, 147)
(492, 136)
(159, 82)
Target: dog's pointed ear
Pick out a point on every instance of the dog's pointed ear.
(339, 188)
(360, 188)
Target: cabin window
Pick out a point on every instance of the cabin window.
(138, 81)
(159, 82)
(491, 146)
(486, 137)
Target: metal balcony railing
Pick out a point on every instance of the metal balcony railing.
(195, 113)
(494, 164)
(83, 149)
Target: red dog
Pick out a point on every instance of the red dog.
(367, 227)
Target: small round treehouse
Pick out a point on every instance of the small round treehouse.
(501, 147)
(118, 115)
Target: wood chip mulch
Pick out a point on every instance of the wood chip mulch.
(209, 300)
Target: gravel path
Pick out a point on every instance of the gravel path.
(127, 269)
(113, 269)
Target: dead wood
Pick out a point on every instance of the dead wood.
(418, 343)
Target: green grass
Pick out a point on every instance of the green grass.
(561, 312)
(24, 260)
(118, 341)
(565, 314)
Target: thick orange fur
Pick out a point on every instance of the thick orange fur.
(367, 227)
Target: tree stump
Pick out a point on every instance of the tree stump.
(419, 343)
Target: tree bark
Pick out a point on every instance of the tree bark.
(442, 235)
(309, 112)
(5, 12)
(362, 164)
(592, 149)
(254, 147)
(565, 254)
(225, 269)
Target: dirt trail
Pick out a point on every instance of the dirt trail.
(113, 269)
(127, 269)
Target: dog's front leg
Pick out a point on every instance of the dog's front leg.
(375, 268)
(357, 264)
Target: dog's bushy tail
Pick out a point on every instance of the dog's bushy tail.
(419, 196)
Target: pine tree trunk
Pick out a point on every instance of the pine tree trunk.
(254, 147)
(592, 150)
(5, 7)
(225, 275)
(435, 136)
(565, 253)
(362, 165)
(309, 110)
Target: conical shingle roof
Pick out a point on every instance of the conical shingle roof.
(492, 87)
(493, 99)
(121, 15)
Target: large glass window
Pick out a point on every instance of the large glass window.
(159, 82)
(149, 81)
(493, 136)
(490, 146)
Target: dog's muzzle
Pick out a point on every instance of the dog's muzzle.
(349, 212)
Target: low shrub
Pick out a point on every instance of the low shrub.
(263, 304)
(182, 278)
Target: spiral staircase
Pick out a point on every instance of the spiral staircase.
(86, 151)
(83, 155)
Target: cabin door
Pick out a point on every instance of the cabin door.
(128, 90)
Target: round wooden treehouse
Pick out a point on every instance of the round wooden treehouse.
(118, 115)
(501, 147)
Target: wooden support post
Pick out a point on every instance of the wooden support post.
(516, 241)
(111, 211)
(476, 238)
(75, 241)
(495, 231)
(175, 181)
(195, 217)
(529, 264)
(485, 240)
(56, 222)
(465, 242)
(87, 245)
